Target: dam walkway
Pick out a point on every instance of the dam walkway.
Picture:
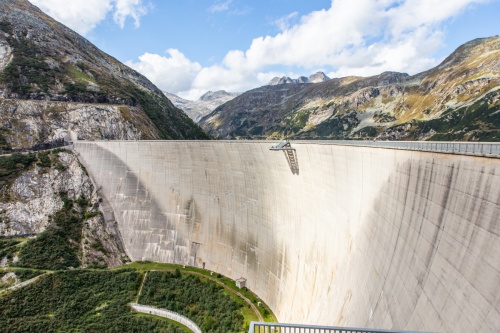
(485, 149)
(256, 327)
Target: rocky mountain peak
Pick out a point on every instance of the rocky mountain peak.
(302, 79)
(314, 78)
(318, 77)
(215, 95)
(280, 80)
(472, 48)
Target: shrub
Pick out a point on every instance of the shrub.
(78, 301)
(204, 302)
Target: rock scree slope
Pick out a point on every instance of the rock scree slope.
(363, 237)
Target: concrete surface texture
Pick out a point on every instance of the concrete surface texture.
(364, 237)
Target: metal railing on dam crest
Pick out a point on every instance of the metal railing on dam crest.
(487, 149)
(484, 149)
(261, 327)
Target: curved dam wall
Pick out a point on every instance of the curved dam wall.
(366, 237)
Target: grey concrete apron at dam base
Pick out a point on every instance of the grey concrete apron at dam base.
(359, 236)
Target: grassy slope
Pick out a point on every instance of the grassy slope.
(80, 301)
(93, 300)
(264, 310)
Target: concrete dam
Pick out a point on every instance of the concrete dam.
(355, 236)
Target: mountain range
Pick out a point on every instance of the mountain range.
(314, 78)
(457, 100)
(53, 81)
(213, 99)
(204, 105)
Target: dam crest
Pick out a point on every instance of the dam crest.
(357, 236)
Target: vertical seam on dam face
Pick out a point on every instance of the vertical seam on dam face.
(360, 237)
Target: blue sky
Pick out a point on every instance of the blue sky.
(188, 47)
(201, 34)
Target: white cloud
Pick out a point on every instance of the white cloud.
(221, 77)
(412, 14)
(81, 16)
(284, 23)
(84, 15)
(408, 56)
(174, 73)
(363, 37)
(220, 6)
(352, 37)
(125, 8)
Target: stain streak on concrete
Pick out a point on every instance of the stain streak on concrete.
(364, 237)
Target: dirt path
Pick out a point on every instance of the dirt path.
(23, 284)
(140, 288)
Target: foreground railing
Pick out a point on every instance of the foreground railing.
(471, 148)
(260, 327)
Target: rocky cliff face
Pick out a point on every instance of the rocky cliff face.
(42, 60)
(457, 100)
(28, 122)
(204, 105)
(33, 196)
(37, 187)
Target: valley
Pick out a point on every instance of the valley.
(242, 207)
